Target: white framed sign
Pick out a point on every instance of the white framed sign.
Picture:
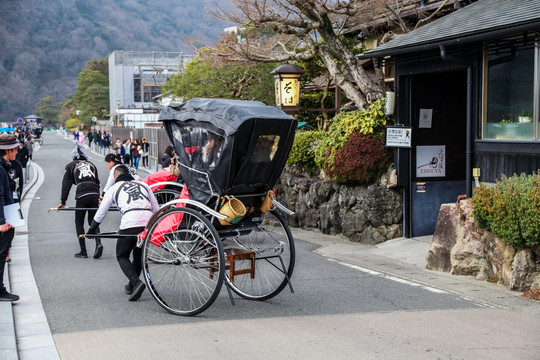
(398, 136)
(426, 118)
(431, 161)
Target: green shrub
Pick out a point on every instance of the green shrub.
(312, 100)
(343, 125)
(530, 208)
(303, 150)
(510, 210)
(72, 123)
(361, 160)
(482, 204)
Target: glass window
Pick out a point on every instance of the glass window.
(203, 148)
(136, 88)
(265, 148)
(509, 92)
(151, 92)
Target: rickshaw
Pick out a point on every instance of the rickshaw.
(225, 228)
(37, 132)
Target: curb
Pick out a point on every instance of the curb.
(8, 338)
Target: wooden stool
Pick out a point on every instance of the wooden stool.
(234, 254)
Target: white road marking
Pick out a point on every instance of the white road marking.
(407, 282)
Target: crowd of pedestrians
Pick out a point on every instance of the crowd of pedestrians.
(123, 162)
(11, 183)
(16, 151)
(134, 152)
(100, 138)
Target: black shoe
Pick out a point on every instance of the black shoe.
(98, 252)
(81, 255)
(128, 289)
(12, 297)
(137, 291)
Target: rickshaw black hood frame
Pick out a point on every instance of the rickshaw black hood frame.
(240, 123)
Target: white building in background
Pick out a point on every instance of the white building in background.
(136, 78)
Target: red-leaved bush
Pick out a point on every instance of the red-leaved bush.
(361, 160)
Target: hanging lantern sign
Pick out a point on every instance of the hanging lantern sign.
(287, 87)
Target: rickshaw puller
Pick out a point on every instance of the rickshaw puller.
(84, 175)
(136, 203)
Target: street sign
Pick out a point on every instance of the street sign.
(94, 119)
(398, 136)
(20, 120)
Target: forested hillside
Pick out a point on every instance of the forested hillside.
(44, 44)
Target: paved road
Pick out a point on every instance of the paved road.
(337, 310)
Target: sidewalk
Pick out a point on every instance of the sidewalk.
(398, 259)
(24, 331)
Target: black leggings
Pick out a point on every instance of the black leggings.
(124, 247)
(88, 201)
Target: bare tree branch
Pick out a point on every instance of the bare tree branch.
(301, 30)
(421, 21)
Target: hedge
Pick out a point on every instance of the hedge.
(510, 209)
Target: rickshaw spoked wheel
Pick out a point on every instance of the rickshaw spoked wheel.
(183, 261)
(165, 195)
(273, 245)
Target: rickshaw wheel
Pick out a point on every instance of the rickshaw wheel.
(273, 245)
(183, 261)
(165, 195)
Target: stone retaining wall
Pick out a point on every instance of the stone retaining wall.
(459, 246)
(367, 214)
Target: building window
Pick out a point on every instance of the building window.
(509, 109)
(151, 92)
(137, 88)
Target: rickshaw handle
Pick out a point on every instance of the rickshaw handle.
(197, 204)
(282, 207)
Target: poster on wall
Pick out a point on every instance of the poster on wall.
(431, 161)
(426, 116)
(398, 136)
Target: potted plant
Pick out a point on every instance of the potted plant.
(525, 116)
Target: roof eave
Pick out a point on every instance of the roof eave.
(488, 35)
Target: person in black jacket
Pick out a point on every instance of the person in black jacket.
(8, 151)
(167, 157)
(145, 151)
(16, 174)
(22, 155)
(84, 175)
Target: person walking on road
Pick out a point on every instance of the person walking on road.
(22, 155)
(84, 175)
(145, 151)
(125, 151)
(8, 151)
(136, 150)
(113, 161)
(136, 203)
(29, 143)
(116, 146)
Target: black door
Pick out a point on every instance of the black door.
(438, 118)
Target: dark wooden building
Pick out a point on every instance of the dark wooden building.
(467, 85)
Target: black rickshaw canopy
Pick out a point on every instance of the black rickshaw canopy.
(228, 147)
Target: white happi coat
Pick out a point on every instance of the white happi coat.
(135, 201)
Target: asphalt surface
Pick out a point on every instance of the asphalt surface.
(350, 301)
